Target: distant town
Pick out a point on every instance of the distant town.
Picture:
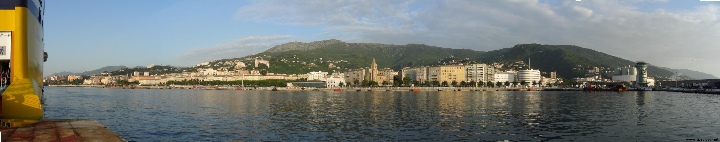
(452, 74)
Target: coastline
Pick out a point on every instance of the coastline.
(342, 89)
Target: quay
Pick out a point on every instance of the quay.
(62, 130)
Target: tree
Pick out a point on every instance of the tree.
(407, 80)
(481, 83)
(341, 84)
(365, 83)
(385, 83)
(463, 83)
(427, 83)
(263, 72)
(454, 83)
(498, 83)
(507, 83)
(435, 83)
(373, 83)
(473, 83)
(444, 83)
(489, 83)
(523, 83)
(356, 82)
(515, 83)
(534, 83)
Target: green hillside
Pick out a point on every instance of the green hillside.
(565, 59)
(346, 56)
(333, 55)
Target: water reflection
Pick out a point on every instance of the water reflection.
(217, 115)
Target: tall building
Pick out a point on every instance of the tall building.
(479, 72)
(447, 73)
(353, 75)
(416, 74)
(642, 78)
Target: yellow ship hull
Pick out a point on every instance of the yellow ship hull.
(21, 101)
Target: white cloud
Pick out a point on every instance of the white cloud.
(676, 39)
(235, 49)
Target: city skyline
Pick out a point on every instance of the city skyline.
(675, 34)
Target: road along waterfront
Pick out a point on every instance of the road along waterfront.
(257, 115)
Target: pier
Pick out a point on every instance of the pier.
(63, 130)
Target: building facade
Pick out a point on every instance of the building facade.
(479, 73)
(416, 74)
(319, 75)
(529, 76)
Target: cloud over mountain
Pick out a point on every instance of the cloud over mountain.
(673, 37)
(238, 48)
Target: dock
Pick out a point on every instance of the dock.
(61, 130)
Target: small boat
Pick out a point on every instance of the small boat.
(337, 90)
(415, 90)
(274, 89)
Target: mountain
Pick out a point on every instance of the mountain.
(334, 55)
(691, 73)
(567, 60)
(96, 71)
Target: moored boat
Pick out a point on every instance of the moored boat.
(22, 57)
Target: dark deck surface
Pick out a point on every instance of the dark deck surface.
(63, 130)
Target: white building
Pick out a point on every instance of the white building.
(319, 75)
(479, 73)
(335, 80)
(207, 71)
(529, 76)
(505, 77)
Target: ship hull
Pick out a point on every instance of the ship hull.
(21, 101)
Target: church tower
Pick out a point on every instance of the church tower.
(372, 71)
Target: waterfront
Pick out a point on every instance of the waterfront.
(225, 115)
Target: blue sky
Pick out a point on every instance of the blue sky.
(82, 35)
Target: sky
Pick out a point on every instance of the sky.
(83, 35)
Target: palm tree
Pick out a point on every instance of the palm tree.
(507, 83)
(534, 83)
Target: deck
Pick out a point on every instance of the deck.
(63, 130)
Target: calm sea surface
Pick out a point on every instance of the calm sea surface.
(227, 115)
